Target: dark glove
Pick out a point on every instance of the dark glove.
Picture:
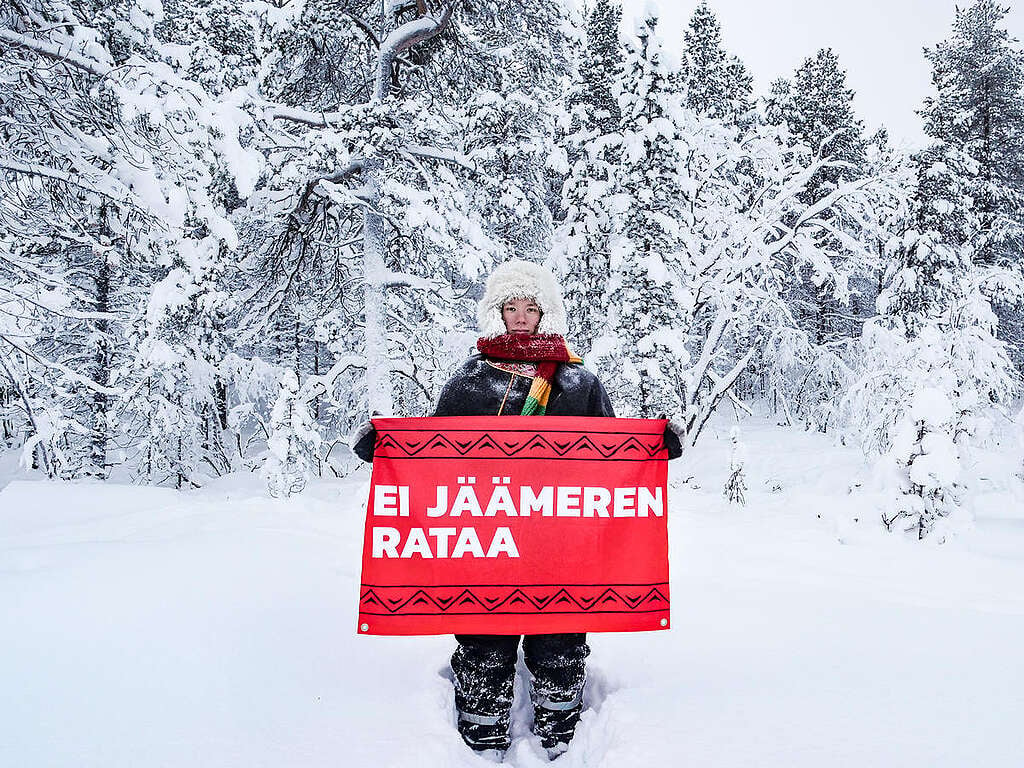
(675, 434)
(362, 441)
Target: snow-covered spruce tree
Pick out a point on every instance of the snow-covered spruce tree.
(932, 367)
(601, 68)
(978, 109)
(508, 123)
(583, 240)
(294, 441)
(581, 247)
(643, 354)
(735, 489)
(717, 84)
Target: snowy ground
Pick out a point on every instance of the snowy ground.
(143, 627)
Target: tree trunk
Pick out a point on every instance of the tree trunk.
(101, 369)
(378, 361)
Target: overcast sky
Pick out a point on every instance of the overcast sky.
(878, 42)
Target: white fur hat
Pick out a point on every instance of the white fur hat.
(519, 279)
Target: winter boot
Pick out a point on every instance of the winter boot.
(555, 723)
(484, 733)
(483, 669)
(557, 663)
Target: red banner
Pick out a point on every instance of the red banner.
(516, 525)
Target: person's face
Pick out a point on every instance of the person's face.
(520, 315)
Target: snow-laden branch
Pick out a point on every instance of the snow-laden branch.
(303, 116)
(85, 381)
(348, 171)
(446, 156)
(391, 279)
(812, 212)
(315, 386)
(402, 39)
(23, 265)
(122, 195)
(69, 314)
(709, 348)
(720, 387)
(48, 49)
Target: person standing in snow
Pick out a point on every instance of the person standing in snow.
(523, 367)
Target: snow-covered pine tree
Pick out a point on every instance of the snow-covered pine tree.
(978, 76)
(339, 179)
(503, 98)
(822, 118)
(704, 63)
(739, 92)
(816, 108)
(978, 109)
(778, 104)
(443, 170)
(125, 170)
(932, 367)
(720, 206)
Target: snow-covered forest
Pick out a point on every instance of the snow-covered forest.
(231, 231)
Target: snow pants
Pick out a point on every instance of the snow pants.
(484, 667)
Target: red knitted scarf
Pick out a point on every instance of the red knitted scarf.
(545, 349)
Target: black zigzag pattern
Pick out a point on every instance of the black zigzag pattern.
(513, 445)
(482, 600)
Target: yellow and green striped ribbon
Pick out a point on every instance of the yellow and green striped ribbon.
(540, 390)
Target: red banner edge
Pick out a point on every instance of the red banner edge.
(382, 626)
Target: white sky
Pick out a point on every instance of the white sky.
(878, 42)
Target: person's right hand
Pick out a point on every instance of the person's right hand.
(361, 441)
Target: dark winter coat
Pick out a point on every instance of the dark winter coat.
(481, 389)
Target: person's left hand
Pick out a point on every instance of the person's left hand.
(675, 436)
